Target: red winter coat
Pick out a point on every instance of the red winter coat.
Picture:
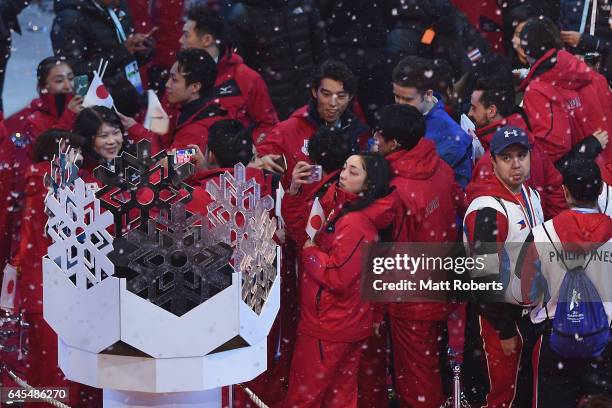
(189, 127)
(331, 307)
(34, 240)
(430, 214)
(565, 102)
(44, 115)
(295, 209)
(14, 161)
(486, 17)
(244, 94)
(290, 137)
(544, 176)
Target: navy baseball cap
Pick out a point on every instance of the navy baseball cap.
(507, 136)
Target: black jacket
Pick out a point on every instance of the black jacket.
(284, 41)
(9, 10)
(84, 33)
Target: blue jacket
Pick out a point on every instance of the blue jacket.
(453, 145)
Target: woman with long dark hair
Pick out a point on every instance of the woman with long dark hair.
(334, 321)
(57, 106)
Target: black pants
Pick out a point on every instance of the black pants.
(562, 382)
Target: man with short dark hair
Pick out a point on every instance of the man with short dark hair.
(412, 85)
(502, 211)
(492, 107)
(430, 215)
(240, 90)
(572, 291)
(191, 86)
(333, 88)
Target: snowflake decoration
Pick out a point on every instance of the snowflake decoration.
(170, 265)
(81, 242)
(135, 185)
(239, 216)
(64, 170)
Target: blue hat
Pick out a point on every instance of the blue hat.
(507, 136)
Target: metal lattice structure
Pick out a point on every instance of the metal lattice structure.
(136, 185)
(239, 216)
(170, 264)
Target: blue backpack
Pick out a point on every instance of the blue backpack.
(580, 327)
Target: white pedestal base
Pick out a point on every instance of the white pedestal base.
(131, 399)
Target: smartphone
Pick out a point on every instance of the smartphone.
(316, 172)
(183, 155)
(282, 161)
(81, 85)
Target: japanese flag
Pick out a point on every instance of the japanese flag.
(97, 94)
(315, 219)
(156, 119)
(9, 286)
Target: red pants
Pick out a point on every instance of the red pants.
(323, 374)
(416, 360)
(502, 369)
(372, 378)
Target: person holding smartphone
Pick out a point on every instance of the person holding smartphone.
(57, 106)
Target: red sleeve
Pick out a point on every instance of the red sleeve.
(338, 269)
(138, 133)
(260, 109)
(295, 210)
(274, 142)
(549, 124)
(553, 200)
(194, 133)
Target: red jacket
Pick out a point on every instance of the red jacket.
(429, 216)
(14, 161)
(565, 102)
(189, 127)
(290, 137)
(244, 94)
(295, 209)
(544, 175)
(331, 307)
(44, 115)
(34, 240)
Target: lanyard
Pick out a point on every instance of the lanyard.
(582, 210)
(529, 212)
(118, 27)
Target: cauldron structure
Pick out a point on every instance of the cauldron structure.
(150, 302)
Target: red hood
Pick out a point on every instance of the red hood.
(485, 134)
(568, 71)
(228, 59)
(582, 232)
(381, 212)
(421, 162)
(489, 186)
(34, 176)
